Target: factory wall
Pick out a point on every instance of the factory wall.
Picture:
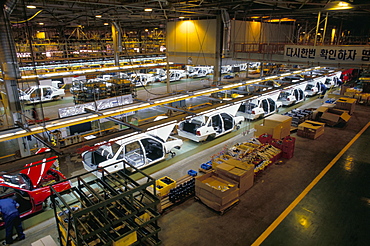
(260, 32)
(192, 41)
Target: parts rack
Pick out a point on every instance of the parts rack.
(113, 210)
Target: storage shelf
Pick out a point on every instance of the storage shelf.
(113, 209)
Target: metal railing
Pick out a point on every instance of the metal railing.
(264, 48)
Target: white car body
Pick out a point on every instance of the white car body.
(332, 80)
(226, 69)
(259, 107)
(159, 74)
(198, 72)
(314, 86)
(177, 74)
(42, 93)
(210, 124)
(142, 79)
(138, 149)
(293, 94)
(243, 66)
(311, 89)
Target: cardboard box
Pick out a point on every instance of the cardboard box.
(221, 201)
(240, 164)
(346, 104)
(334, 117)
(274, 131)
(244, 177)
(218, 207)
(276, 119)
(215, 189)
(310, 129)
(276, 125)
(325, 107)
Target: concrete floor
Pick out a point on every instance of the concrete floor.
(334, 212)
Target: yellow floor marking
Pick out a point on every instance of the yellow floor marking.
(285, 213)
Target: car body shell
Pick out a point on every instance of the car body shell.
(332, 80)
(138, 149)
(258, 108)
(31, 186)
(210, 125)
(292, 96)
(198, 72)
(142, 79)
(176, 74)
(42, 93)
(312, 89)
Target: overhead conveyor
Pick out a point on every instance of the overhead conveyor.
(70, 121)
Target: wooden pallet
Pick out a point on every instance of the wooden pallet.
(221, 212)
(201, 170)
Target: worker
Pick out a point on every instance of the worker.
(9, 212)
(35, 115)
(323, 90)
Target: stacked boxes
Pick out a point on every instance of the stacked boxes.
(333, 117)
(216, 192)
(288, 147)
(311, 129)
(330, 115)
(242, 174)
(265, 138)
(276, 125)
(346, 104)
(240, 155)
(350, 92)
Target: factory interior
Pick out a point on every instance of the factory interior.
(166, 122)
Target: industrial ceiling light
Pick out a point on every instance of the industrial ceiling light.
(181, 17)
(98, 16)
(148, 10)
(338, 5)
(281, 20)
(41, 24)
(106, 24)
(31, 7)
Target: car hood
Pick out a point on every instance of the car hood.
(37, 170)
(162, 131)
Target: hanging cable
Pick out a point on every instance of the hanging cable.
(131, 62)
(23, 21)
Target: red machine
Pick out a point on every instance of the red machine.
(30, 187)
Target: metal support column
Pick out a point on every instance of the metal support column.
(117, 43)
(168, 86)
(325, 26)
(317, 27)
(10, 71)
(218, 54)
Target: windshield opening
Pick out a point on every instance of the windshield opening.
(19, 180)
